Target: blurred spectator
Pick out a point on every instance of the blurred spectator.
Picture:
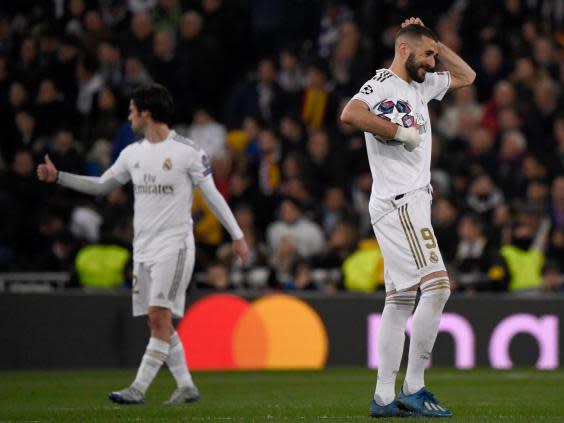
(483, 196)
(521, 262)
(269, 175)
(318, 104)
(217, 277)
(172, 71)
(300, 277)
(350, 59)
(444, 215)
(481, 149)
(552, 280)
(89, 83)
(341, 243)
(135, 74)
(491, 69)
(102, 265)
(208, 134)
(64, 153)
(95, 30)
(334, 13)
(103, 121)
(557, 202)
(291, 76)
(50, 109)
(363, 270)
(322, 165)
(473, 256)
(294, 228)
(110, 61)
(503, 96)
(22, 192)
(138, 41)
(166, 15)
(334, 209)
(510, 175)
(556, 147)
(293, 134)
(261, 97)
(204, 55)
(360, 194)
(462, 114)
(544, 111)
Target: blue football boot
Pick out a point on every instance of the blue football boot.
(422, 403)
(390, 410)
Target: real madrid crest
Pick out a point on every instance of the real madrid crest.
(167, 164)
(433, 257)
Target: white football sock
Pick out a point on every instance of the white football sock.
(426, 319)
(176, 362)
(154, 357)
(391, 337)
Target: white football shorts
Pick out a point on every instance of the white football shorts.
(406, 238)
(163, 283)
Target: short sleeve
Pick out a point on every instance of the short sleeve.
(200, 168)
(120, 169)
(370, 93)
(436, 85)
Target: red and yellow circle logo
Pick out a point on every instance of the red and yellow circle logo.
(223, 331)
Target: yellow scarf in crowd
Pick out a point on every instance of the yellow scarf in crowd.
(313, 111)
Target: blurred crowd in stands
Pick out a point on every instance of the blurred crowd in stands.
(259, 85)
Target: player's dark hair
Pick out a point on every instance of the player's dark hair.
(417, 31)
(155, 99)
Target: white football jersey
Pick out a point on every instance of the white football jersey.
(164, 177)
(394, 169)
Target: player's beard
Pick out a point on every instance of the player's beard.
(413, 67)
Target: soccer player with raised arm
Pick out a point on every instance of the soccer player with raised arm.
(391, 109)
(165, 169)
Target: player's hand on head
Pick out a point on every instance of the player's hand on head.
(47, 171)
(241, 249)
(412, 21)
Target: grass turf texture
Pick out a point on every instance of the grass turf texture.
(332, 395)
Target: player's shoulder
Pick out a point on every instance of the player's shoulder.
(185, 144)
(383, 75)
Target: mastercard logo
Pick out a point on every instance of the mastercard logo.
(224, 331)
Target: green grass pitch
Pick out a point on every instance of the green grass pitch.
(332, 395)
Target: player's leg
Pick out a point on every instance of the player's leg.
(186, 390)
(160, 323)
(391, 337)
(397, 309)
(156, 349)
(435, 291)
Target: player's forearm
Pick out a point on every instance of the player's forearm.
(220, 209)
(357, 114)
(461, 73)
(87, 184)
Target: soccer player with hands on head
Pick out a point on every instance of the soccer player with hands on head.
(165, 169)
(391, 109)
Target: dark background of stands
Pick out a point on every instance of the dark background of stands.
(260, 83)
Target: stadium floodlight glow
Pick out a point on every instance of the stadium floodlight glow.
(544, 329)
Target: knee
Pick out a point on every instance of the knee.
(160, 322)
(438, 290)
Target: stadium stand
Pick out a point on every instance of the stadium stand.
(265, 85)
